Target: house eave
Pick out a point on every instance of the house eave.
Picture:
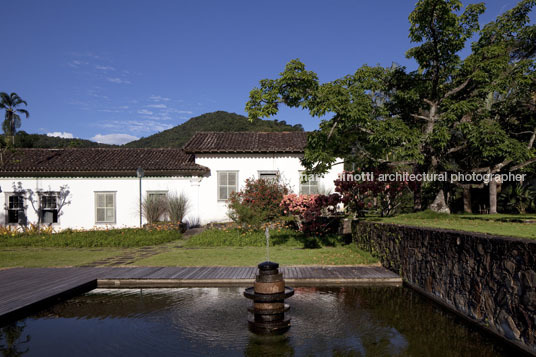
(115, 173)
(244, 152)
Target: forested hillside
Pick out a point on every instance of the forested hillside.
(216, 121)
(25, 140)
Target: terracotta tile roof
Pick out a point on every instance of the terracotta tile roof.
(242, 142)
(98, 162)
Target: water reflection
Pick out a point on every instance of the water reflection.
(367, 321)
(13, 342)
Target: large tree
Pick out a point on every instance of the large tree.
(10, 103)
(391, 117)
(497, 129)
(381, 116)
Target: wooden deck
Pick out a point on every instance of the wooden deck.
(23, 290)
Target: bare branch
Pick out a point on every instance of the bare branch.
(493, 169)
(398, 163)
(429, 102)
(457, 148)
(522, 133)
(531, 141)
(457, 89)
(522, 165)
(421, 117)
(332, 129)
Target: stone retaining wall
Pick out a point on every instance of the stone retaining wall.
(489, 279)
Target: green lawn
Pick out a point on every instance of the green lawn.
(232, 247)
(500, 224)
(232, 237)
(213, 247)
(52, 257)
(250, 256)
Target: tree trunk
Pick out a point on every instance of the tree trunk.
(440, 205)
(467, 200)
(417, 198)
(417, 192)
(492, 196)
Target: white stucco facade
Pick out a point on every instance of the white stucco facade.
(201, 191)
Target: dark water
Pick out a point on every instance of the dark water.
(364, 321)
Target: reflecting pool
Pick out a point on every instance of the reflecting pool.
(347, 321)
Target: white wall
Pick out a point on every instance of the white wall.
(201, 191)
(248, 166)
(81, 212)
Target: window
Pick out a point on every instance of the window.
(227, 183)
(105, 207)
(49, 208)
(308, 185)
(269, 175)
(15, 209)
(157, 194)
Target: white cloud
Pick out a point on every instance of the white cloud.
(145, 112)
(161, 106)
(117, 80)
(115, 139)
(180, 111)
(60, 134)
(157, 98)
(77, 63)
(104, 68)
(135, 126)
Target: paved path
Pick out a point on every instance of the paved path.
(134, 254)
(23, 290)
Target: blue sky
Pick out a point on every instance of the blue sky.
(113, 71)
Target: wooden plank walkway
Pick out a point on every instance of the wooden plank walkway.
(23, 290)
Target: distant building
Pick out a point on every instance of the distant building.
(104, 187)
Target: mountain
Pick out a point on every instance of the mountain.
(216, 121)
(25, 140)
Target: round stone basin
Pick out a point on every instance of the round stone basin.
(250, 294)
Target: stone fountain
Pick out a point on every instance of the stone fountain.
(268, 295)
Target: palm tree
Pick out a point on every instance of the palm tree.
(12, 119)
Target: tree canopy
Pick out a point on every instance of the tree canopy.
(471, 114)
(11, 103)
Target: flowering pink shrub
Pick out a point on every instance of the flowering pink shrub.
(312, 212)
(297, 204)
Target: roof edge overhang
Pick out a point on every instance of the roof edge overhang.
(243, 152)
(126, 173)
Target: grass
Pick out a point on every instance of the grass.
(232, 237)
(51, 257)
(125, 238)
(213, 247)
(500, 224)
(251, 256)
(233, 247)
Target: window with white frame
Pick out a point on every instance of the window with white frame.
(271, 176)
(105, 207)
(15, 209)
(157, 194)
(227, 184)
(308, 184)
(49, 207)
(161, 197)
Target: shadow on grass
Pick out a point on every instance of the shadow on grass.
(310, 242)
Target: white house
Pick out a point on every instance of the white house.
(104, 189)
